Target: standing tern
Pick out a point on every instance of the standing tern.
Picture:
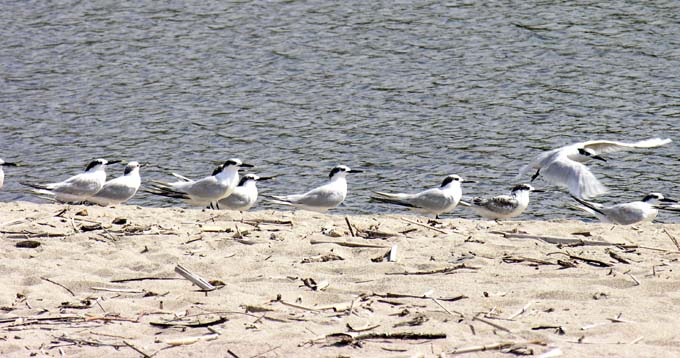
(245, 194)
(564, 166)
(206, 191)
(327, 196)
(121, 189)
(433, 201)
(79, 187)
(503, 206)
(2, 174)
(626, 213)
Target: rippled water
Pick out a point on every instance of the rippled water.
(408, 91)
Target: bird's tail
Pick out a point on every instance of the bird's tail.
(391, 201)
(181, 177)
(35, 186)
(163, 189)
(588, 205)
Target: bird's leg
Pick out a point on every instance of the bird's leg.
(535, 175)
(217, 205)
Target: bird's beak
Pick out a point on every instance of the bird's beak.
(245, 165)
(143, 165)
(470, 181)
(538, 191)
(599, 158)
(113, 161)
(668, 200)
(267, 178)
(8, 164)
(355, 171)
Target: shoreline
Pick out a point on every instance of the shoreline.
(293, 286)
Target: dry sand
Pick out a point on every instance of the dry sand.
(461, 281)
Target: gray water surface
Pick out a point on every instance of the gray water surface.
(407, 91)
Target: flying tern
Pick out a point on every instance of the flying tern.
(206, 191)
(327, 196)
(626, 213)
(79, 187)
(564, 166)
(503, 206)
(433, 201)
(121, 189)
(2, 174)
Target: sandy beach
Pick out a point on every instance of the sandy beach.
(83, 281)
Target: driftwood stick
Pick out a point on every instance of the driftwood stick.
(136, 349)
(425, 296)
(400, 335)
(119, 290)
(143, 279)
(425, 226)
(492, 347)
(494, 325)
(521, 311)
(58, 284)
(189, 324)
(349, 226)
(348, 244)
(675, 241)
(560, 240)
(445, 309)
(446, 270)
(195, 279)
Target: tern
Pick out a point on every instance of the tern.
(626, 213)
(121, 189)
(79, 187)
(206, 191)
(503, 206)
(323, 198)
(564, 166)
(433, 201)
(2, 174)
(244, 196)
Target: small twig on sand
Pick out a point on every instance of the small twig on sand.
(58, 284)
(425, 296)
(265, 352)
(492, 347)
(348, 244)
(195, 279)
(494, 325)
(675, 241)
(560, 240)
(521, 311)
(349, 226)
(143, 279)
(343, 339)
(119, 290)
(425, 226)
(445, 309)
(446, 270)
(137, 349)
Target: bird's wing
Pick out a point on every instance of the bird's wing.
(394, 196)
(607, 146)
(79, 185)
(321, 196)
(181, 177)
(575, 176)
(431, 198)
(538, 162)
(207, 187)
(502, 204)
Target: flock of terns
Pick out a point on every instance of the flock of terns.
(224, 189)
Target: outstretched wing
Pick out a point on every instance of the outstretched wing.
(607, 146)
(575, 176)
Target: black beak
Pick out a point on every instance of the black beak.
(470, 181)
(244, 165)
(113, 161)
(267, 178)
(143, 165)
(355, 171)
(8, 164)
(599, 158)
(538, 191)
(668, 200)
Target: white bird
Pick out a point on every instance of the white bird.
(503, 206)
(79, 187)
(245, 194)
(433, 201)
(206, 191)
(2, 174)
(564, 166)
(327, 196)
(626, 213)
(121, 189)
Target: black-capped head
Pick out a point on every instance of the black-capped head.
(96, 163)
(248, 177)
(342, 170)
(525, 187)
(130, 167)
(586, 152)
(653, 197)
(236, 163)
(455, 179)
